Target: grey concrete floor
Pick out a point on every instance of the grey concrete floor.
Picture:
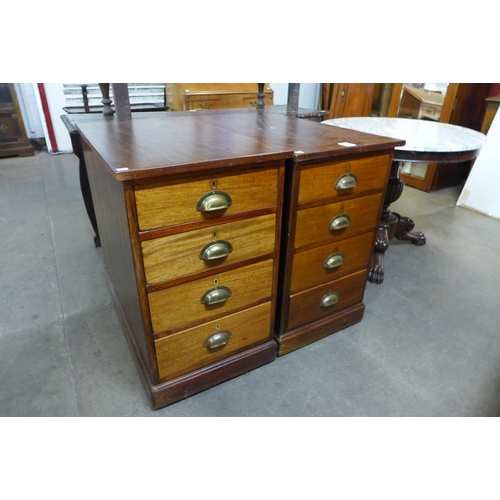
(428, 345)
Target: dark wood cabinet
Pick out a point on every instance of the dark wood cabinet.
(492, 104)
(348, 99)
(13, 138)
(335, 206)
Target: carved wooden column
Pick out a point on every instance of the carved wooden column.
(122, 101)
(292, 106)
(106, 101)
(260, 96)
(391, 225)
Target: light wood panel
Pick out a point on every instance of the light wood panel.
(174, 202)
(210, 96)
(318, 182)
(308, 270)
(183, 352)
(178, 255)
(313, 223)
(181, 304)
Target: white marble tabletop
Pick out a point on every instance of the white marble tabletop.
(420, 135)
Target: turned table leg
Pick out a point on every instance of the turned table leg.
(391, 225)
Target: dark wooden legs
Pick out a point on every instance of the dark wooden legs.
(76, 142)
(392, 225)
(87, 199)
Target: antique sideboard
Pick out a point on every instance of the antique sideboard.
(232, 236)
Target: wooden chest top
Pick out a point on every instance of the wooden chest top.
(155, 144)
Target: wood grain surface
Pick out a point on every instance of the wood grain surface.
(318, 182)
(174, 201)
(184, 351)
(178, 255)
(313, 223)
(181, 304)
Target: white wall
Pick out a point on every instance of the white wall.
(308, 96)
(481, 190)
(56, 102)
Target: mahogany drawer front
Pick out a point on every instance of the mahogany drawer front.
(178, 255)
(306, 306)
(327, 262)
(175, 202)
(221, 293)
(313, 223)
(186, 351)
(317, 182)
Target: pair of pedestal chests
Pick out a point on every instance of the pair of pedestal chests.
(232, 236)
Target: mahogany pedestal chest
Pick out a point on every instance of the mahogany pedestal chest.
(215, 228)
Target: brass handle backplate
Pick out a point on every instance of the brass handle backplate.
(216, 295)
(214, 201)
(217, 340)
(346, 181)
(340, 221)
(333, 261)
(217, 249)
(329, 300)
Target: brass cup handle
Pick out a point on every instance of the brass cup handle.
(334, 260)
(217, 340)
(340, 221)
(217, 249)
(346, 181)
(216, 295)
(214, 201)
(329, 300)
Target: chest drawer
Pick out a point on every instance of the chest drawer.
(180, 201)
(337, 220)
(327, 262)
(206, 297)
(189, 350)
(343, 178)
(326, 299)
(202, 103)
(179, 255)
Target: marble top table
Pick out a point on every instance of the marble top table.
(426, 141)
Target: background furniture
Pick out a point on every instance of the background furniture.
(491, 110)
(420, 103)
(204, 96)
(202, 218)
(426, 141)
(347, 99)
(462, 104)
(13, 138)
(76, 110)
(314, 115)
